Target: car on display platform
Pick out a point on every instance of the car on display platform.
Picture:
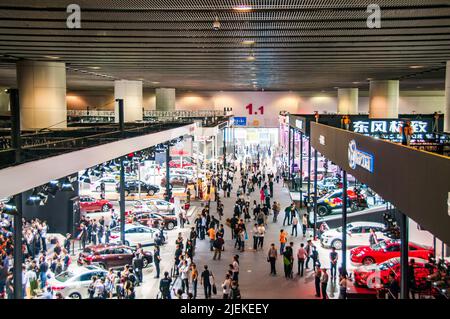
(178, 164)
(110, 256)
(153, 220)
(74, 283)
(89, 204)
(333, 201)
(385, 250)
(155, 205)
(108, 182)
(179, 181)
(134, 234)
(182, 171)
(376, 275)
(358, 234)
(116, 176)
(160, 205)
(132, 187)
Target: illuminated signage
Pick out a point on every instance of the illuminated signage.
(357, 157)
(299, 124)
(240, 121)
(322, 140)
(388, 126)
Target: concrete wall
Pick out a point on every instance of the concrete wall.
(294, 102)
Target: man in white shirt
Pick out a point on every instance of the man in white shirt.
(262, 233)
(184, 269)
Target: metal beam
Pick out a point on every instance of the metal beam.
(404, 238)
(344, 222)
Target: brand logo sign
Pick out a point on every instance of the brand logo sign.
(240, 121)
(359, 158)
(322, 140)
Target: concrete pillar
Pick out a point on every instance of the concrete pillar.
(4, 101)
(42, 94)
(447, 99)
(384, 98)
(165, 99)
(347, 101)
(131, 93)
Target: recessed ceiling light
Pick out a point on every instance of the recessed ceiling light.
(416, 66)
(95, 67)
(251, 58)
(356, 82)
(248, 42)
(51, 57)
(369, 79)
(418, 87)
(242, 8)
(155, 82)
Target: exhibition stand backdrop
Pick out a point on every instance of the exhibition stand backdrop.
(416, 182)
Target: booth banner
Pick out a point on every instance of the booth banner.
(415, 182)
(183, 148)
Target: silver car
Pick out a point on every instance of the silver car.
(74, 283)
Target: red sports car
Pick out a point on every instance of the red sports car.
(177, 164)
(385, 250)
(376, 276)
(90, 204)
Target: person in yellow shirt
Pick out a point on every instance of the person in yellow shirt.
(283, 240)
(212, 237)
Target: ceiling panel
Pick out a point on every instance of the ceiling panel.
(279, 44)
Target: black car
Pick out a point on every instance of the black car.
(133, 187)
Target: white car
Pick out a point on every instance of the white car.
(74, 283)
(134, 234)
(357, 235)
(110, 184)
(155, 205)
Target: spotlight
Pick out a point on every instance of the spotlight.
(34, 198)
(67, 185)
(85, 178)
(43, 196)
(10, 207)
(53, 188)
(216, 24)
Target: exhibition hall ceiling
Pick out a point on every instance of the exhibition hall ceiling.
(271, 44)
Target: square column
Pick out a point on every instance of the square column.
(447, 99)
(131, 94)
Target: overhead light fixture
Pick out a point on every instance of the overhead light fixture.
(216, 24)
(85, 177)
(66, 185)
(10, 207)
(95, 67)
(251, 58)
(155, 82)
(248, 42)
(51, 57)
(369, 79)
(53, 187)
(243, 8)
(356, 82)
(416, 66)
(34, 198)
